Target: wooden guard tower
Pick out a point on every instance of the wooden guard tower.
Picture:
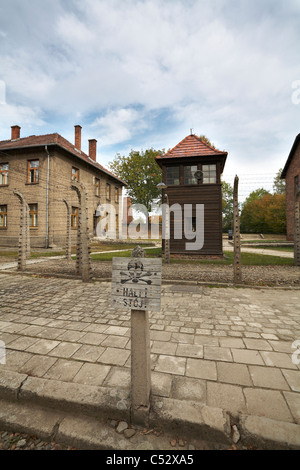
(192, 175)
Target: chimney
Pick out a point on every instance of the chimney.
(78, 137)
(15, 132)
(92, 149)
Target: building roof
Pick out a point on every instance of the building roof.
(192, 146)
(290, 157)
(49, 140)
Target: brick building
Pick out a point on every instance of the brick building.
(43, 168)
(291, 174)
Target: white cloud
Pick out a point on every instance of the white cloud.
(224, 68)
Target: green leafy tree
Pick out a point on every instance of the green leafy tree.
(263, 212)
(227, 206)
(141, 173)
(278, 184)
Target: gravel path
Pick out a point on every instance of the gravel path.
(18, 441)
(251, 275)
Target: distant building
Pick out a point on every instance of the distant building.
(291, 174)
(43, 168)
(192, 172)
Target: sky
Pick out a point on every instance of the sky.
(138, 74)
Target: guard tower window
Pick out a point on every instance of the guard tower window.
(189, 174)
(172, 175)
(209, 174)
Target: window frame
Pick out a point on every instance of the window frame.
(209, 172)
(33, 170)
(3, 213)
(116, 195)
(75, 176)
(4, 174)
(173, 179)
(33, 216)
(74, 217)
(108, 188)
(195, 181)
(97, 187)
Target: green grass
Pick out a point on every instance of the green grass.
(290, 249)
(248, 259)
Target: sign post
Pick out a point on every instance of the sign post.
(136, 285)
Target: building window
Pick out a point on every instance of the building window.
(75, 174)
(209, 174)
(33, 215)
(189, 174)
(4, 173)
(108, 189)
(117, 195)
(33, 171)
(97, 187)
(74, 217)
(172, 175)
(3, 216)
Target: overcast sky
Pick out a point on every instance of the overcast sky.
(139, 74)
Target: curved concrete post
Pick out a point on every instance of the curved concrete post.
(68, 238)
(83, 258)
(237, 274)
(24, 238)
(297, 229)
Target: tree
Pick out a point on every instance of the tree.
(263, 212)
(227, 206)
(278, 183)
(141, 173)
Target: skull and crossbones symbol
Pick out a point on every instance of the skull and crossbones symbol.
(136, 273)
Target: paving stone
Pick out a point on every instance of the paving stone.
(293, 401)
(233, 373)
(37, 365)
(88, 353)
(293, 379)
(267, 377)
(92, 338)
(115, 341)
(202, 369)
(114, 356)
(92, 374)
(64, 349)
(117, 330)
(231, 343)
(217, 353)
(118, 377)
(161, 384)
(43, 346)
(185, 388)
(163, 347)
(276, 359)
(22, 343)
(269, 403)
(171, 365)
(259, 344)
(63, 370)
(246, 356)
(227, 397)
(189, 350)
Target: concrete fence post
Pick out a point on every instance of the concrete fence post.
(83, 258)
(297, 229)
(68, 238)
(24, 237)
(140, 360)
(237, 274)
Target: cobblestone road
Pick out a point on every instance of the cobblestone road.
(226, 347)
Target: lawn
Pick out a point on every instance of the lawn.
(248, 259)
